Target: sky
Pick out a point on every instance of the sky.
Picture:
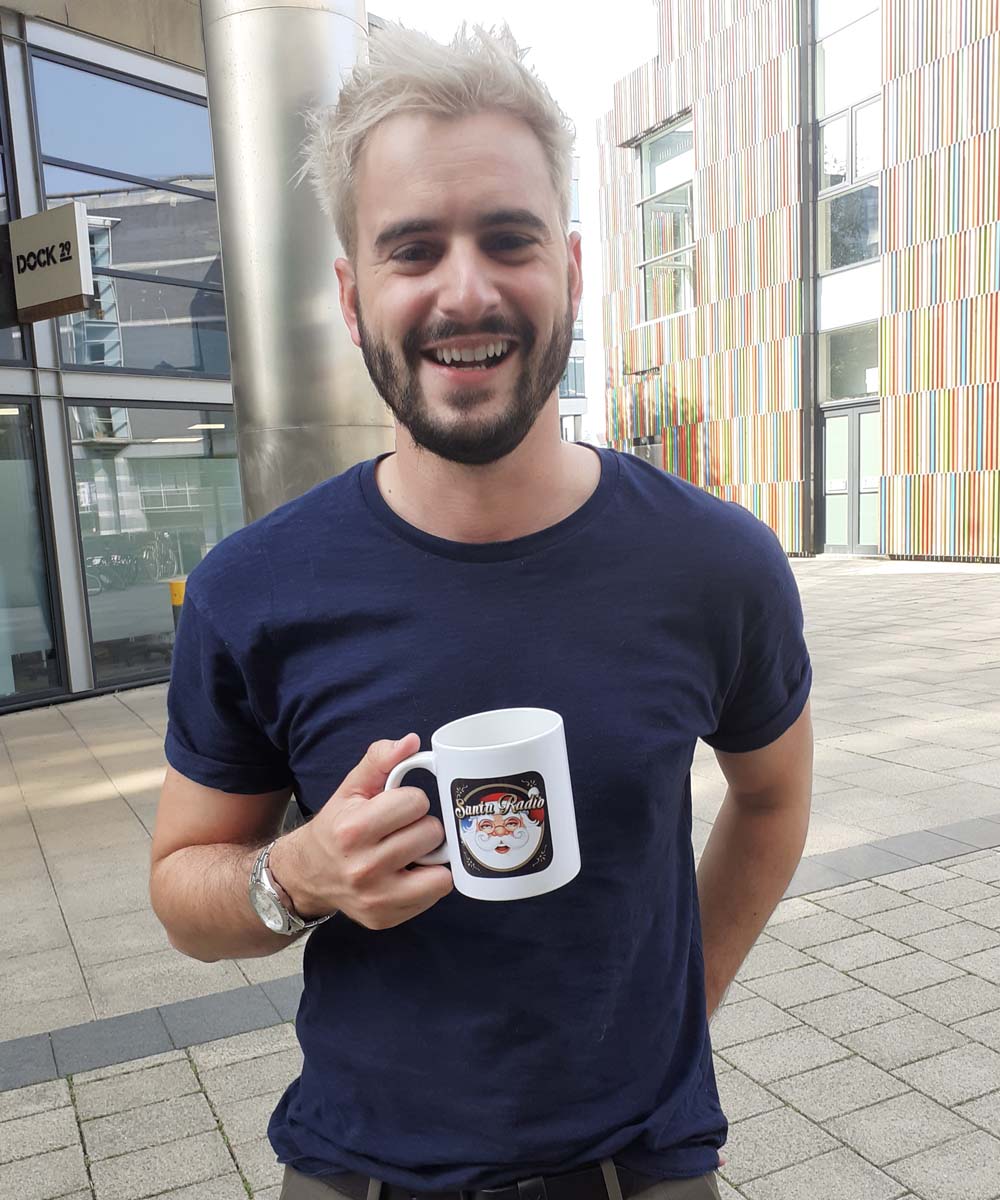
(579, 57)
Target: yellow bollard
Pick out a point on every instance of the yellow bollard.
(177, 597)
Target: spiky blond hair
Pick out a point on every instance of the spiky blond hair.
(406, 71)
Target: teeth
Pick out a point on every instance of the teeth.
(448, 355)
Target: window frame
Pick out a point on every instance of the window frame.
(8, 177)
(682, 258)
(573, 391)
(851, 179)
(45, 53)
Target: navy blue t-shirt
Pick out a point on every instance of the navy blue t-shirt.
(479, 1043)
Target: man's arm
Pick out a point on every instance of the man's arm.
(352, 857)
(753, 850)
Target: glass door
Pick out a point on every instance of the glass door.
(852, 477)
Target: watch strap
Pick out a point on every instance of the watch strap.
(262, 875)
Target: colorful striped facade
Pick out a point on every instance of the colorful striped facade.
(728, 387)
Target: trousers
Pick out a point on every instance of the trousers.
(296, 1186)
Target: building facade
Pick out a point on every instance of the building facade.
(801, 238)
(118, 460)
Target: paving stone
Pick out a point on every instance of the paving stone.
(130, 1067)
(901, 976)
(123, 1092)
(955, 1076)
(257, 1076)
(274, 1193)
(148, 1125)
(957, 999)
(793, 909)
(38, 1097)
(113, 1040)
(955, 893)
(837, 1088)
(735, 993)
(966, 1169)
(284, 994)
(898, 1127)
(985, 1029)
(956, 941)
(244, 1120)
(894, 780)
(914, 918)
(986, 963)
(45, 1176)
(243, 1046)
(149, 1172)
(985, 1112)
(921, 846)
(850, 1011)
(861, 950)
(800, 985)
(901, 1041)
(985, 912)
(782, 1054)
(209, 1018)
(811, 875)
(770, 958)
(769, 1142)
(748, 1020)
(222, 1187)
(863, 861)
(25, 1061)
(24, 1137)
(867, 900)
(916, 877)
(815, 930)
(258, 1163)
(839, 1175)
(986, 870)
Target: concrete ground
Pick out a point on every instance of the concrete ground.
(858, 1054)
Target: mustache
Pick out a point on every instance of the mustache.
(520, 332)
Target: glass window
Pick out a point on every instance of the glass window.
(149, 326)
(27, 646)
(143, 229)
(666, 223)
(668, 158)
(832, 15)
(849, 66)
(578, 329)
(868, 140)
(848, 228)
(101, 122)
(572, 382)
(849, 363)
(11, 339)
(669, 286)
(156, 489)
(833, 153)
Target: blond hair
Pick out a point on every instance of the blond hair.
(408, 72)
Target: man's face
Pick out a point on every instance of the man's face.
(461, 255)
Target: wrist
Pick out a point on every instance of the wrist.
(283, 867)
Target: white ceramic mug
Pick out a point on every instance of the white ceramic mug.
(506, 802)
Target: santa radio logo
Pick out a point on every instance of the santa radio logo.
(503, 825)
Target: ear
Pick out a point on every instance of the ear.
(348, 296)
(575, 271)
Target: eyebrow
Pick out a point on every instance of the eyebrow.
(500, 216)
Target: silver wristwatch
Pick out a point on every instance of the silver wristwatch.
(270, 905)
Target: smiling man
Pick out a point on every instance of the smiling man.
(552, 1047)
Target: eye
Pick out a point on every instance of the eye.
(415, 253)
(506, 242)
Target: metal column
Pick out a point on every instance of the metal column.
(305, 407)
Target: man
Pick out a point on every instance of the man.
(556, 1046)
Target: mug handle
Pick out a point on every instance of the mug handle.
(423, 761)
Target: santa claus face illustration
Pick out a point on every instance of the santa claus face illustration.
(501, 839)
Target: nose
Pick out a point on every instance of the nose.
(467, 290)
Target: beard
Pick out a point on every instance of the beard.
(472, 442)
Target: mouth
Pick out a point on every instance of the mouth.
(466, 363)
(502, 849)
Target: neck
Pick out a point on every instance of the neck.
(537, 485)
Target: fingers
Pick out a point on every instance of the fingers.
(403, 847)
(412, 892)
(369, 776)
(365, 822)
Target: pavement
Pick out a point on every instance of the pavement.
(858, 1053)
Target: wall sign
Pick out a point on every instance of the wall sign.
(50, 257)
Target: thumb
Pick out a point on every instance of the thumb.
(368, 777)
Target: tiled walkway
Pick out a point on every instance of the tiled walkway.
(857, 1054)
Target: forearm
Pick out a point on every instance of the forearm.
(201, 896)
(747, 864)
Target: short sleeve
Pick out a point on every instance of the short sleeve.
(772, 680)
(213, 736)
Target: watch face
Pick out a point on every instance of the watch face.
(269, 911)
